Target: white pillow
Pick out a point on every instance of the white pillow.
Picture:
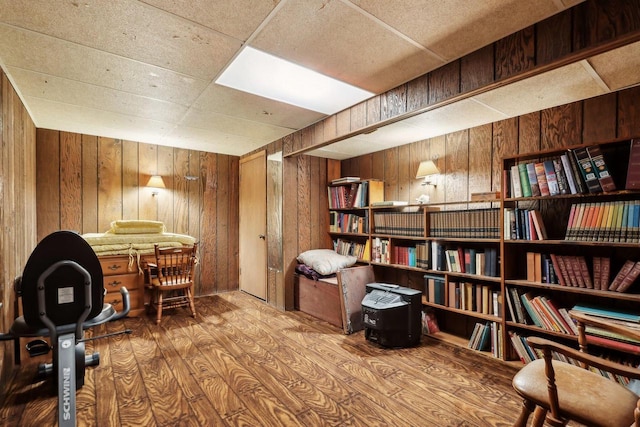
(326, 261)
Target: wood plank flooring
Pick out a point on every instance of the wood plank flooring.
(244, 363)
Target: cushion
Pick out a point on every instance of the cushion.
(326, 261)
(136, 227)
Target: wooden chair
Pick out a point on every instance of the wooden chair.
(170, 279)
(560, 392)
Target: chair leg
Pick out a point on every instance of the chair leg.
(527, 408)
(191, 303)
(539, 416)
(159, 308)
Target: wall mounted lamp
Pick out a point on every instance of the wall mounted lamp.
(429, 171)
(155, 182)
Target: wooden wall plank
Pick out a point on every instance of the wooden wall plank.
(419, 151)
(343, 122)
(391, 174)
(505, 143)
(148, 166)
(164, 199)
(70, 181)
(515, 53)
(476, 69)
(404, 173)
(393, 102)
(418, 93)
(285, 296)
(456, 179)
(89, 184)
(109, 181)
(48, 177)
(194, 190)
(629, 113)
(480, 155)
(130, 183)
(358, 116)
(437, 153)
(561, 126)
(374, 114)
(208, 232)
(553, 37)
(222, 226)
(233, 234)
(529, 133)
(180, 191)
(599, 118)
(304, 193)
(444, 82)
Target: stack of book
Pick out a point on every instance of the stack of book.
(472, 223)
(578, 171)
(341, 222)
(526, 224)
(348, 196)
(527, 308)
(474, 297)
(482, 261)
(615, 221)
(434, 289)
(610, 339)
(481, 337)
(346, 247)
(399, 223)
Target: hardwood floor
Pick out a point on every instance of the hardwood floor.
(244, 363)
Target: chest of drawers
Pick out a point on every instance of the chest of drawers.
(119, 271)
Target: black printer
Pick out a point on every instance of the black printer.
(392, 315)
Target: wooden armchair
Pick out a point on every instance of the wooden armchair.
(561, 392)
(170, 279)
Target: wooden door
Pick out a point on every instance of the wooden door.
(253, 225)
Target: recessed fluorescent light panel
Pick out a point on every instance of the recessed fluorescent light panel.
(268, 76)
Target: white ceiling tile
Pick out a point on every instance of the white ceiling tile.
(204, 139)
(97, 98)
(127, 28)
(461, 26)
(237, 18)
(336, 40)
(32, 51)
(224, 100)
(233, 125)
(561, 86)
(619, 68)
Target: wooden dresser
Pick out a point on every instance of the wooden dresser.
(118, 272)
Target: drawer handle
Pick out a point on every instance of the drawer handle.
(115, 283)
(114, 267)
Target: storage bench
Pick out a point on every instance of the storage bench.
(319, 298)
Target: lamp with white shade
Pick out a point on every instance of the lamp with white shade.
(429, 171)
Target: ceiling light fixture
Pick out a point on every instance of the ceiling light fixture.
(271, 77)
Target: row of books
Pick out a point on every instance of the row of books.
(399, 223)
(526, 224)
(351, 195)
(357, 249)
(472, 223)
(483, 262)
(615, 221)
(527, 308)
(381, 250)
(577, 171)
(342, 222)
(476, 297)
(487, 337)
(481, 337)
(573, 270)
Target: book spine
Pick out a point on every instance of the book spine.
(587, 169)
(626, 269)
(516, 185)
(601, 169)
(542, 179)
(629, 279)
(563, 183)
(569, 174)
(552, 178)
(524, 180)
(533, 179)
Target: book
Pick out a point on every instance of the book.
(563, 183)
(601, 169)
(524, 180)
(633, 171)
(624, 315)
(629, 278)
(533, 179)
(542, 179)
(587, 170)
(552, 178)
(624, 270)
(605, 272)
(569, 174)
(581, 186)
(538, 223)
(516, 186)
(390, 203)
(345, 180)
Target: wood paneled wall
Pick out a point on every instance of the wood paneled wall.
(589, 25)
(469, 159)
(17, 205)
(84, 182)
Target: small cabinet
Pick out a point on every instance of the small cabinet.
(119, 271)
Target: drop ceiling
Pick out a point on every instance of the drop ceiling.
(145, 70)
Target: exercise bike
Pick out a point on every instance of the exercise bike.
(62, 295)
